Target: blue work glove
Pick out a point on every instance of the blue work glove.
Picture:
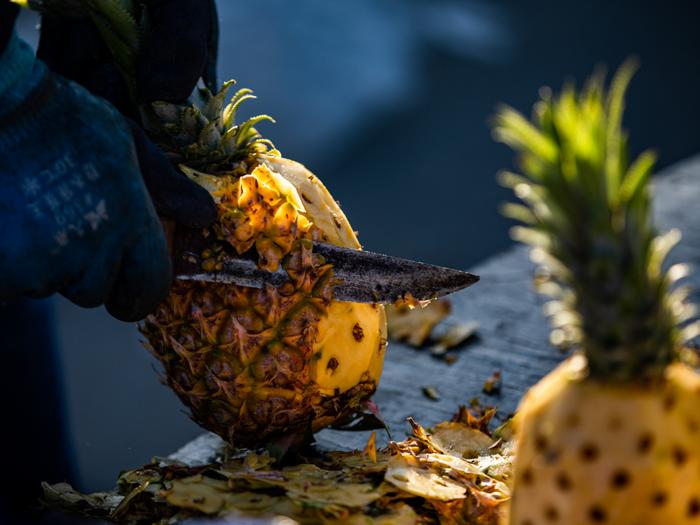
(178, 48)
(75, 211)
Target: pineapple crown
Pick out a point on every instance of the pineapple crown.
(586, 211)
(203, 134)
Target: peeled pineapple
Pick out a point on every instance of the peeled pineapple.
(257, 364)
(613, 434)
(591, 452)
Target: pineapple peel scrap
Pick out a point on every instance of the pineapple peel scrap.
(67, 498)
(371, 448)
(420, 479)
(419, 323)
(460, 440)
(422, 482)
(414, 325)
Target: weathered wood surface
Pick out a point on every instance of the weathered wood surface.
(513, 334)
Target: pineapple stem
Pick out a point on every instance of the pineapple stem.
(587, 214)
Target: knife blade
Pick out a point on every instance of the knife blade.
(361, 276)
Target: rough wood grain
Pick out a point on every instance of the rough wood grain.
(513, 334)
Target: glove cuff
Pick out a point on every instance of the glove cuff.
(25, 89)
(16, 63)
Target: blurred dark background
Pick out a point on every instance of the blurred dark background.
(388, 101)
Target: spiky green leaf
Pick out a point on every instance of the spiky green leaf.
(587, 212)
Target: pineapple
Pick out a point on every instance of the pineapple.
(613, 434)
(256, 366)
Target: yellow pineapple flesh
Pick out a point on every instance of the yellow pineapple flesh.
(591, 452)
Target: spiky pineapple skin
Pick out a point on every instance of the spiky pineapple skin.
(621, 454)
(253, 365)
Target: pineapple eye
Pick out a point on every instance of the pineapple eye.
(597, 514)
(551, 514)
(333, 364)
(615, 423)
(358, 333)
(679, 455)
(693, 507)
(527, 478)
(620, 479)
(589, 452)
(540, 443)
(563, 482)
(645, 443)
(572, 420)
(659, 499)
(669, 402)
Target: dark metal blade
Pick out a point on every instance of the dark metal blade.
(362, 277)
(367, 277)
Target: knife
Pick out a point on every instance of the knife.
(362, 276)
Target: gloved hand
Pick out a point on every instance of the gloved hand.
(179, 48)
(75, 213)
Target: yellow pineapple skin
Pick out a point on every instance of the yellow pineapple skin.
(591, 453)
(254, 365)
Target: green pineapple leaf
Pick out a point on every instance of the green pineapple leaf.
(229, 116)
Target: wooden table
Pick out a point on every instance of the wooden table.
(513, 334)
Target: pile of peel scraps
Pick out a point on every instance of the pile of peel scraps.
(454, 473)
